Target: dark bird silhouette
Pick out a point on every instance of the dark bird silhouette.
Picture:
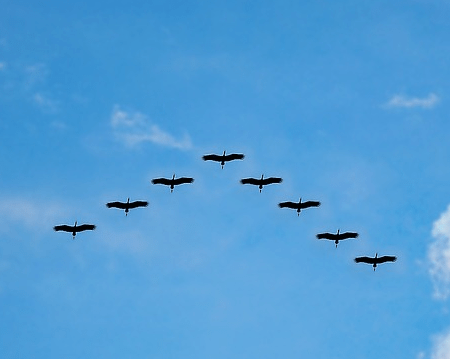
(299, 205)
(172, 182)
(336, 237)
(127, 205)
(223, 158)
(260, 182)
(75, 228)
(375, 260)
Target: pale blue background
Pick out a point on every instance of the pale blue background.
(346, 100)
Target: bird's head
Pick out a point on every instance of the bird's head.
(338, 231)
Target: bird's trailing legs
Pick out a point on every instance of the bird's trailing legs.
(74, 233)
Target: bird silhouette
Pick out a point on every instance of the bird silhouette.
(127, 205)
(75, 228)
(299, 205)
(172, 182)
(375, 260)
(223, 158)
(336, 237)
(260, 182)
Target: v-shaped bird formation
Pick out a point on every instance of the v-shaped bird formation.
(260, 182)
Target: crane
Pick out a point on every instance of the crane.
(260, 182)
(75, 228)
(127, 205)
(223, 158)
(375, 260)
(299, 205)
(336, 237)
(172, 182)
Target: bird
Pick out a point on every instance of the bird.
(223, 158)
(127, 205)
(172, 182)
(336, 237)
(260, 182)
(375, 260)
(75, 228)
(299, 205)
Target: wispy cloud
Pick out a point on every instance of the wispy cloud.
(28, 213)
(408, 102)
(2, 66)
(439, 256)
(45, 102)
(441, 346)
(133, 128)
(35, 74)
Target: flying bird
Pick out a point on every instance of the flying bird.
(127, 205)
(75, 228)
(299, 205)
(336, 237)
(260, 182)
(172, 182)
(223, 158)
(375, 260)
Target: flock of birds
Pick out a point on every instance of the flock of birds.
(260, 182)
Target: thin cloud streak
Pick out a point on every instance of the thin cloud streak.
(45, 103)
(410, 102)
(439, 256)
(135, 128)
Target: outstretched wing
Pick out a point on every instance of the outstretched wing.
(120, 205)
(253, 181)
(308, 204)
(182, 180)
(163, 181)
(233, 156)
(212, 158)
(63, 227)
(136, 204)
(271, 180)
(386, 259)
(85, 227)
(331, 236)
(347, 235)
(367, 260)
(288, 205)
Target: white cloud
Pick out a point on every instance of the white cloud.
(134, 128)
(45, 103)
(28, 213)
(409, 102)
(439, 256)
(441, 346)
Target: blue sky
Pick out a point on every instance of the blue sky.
(347, 102)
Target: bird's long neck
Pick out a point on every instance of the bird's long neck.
(223, 154)
(173, 177)
(75, 224)
(338, 231)
(128, 200)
